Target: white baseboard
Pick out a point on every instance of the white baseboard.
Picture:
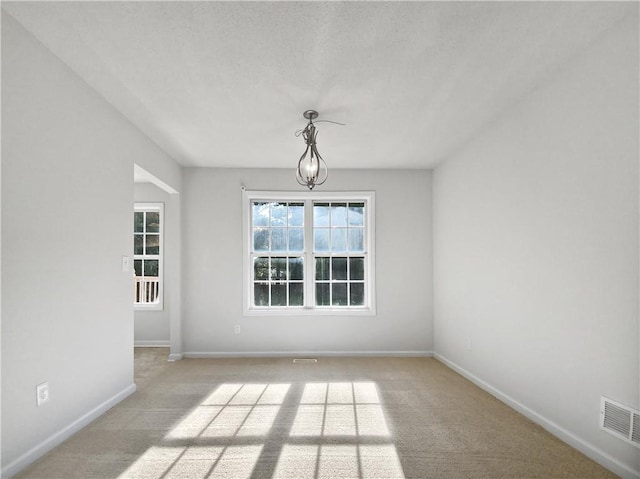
(574, 441)
(175, 357)
(304, 354)
(153, 343)
(65, 433)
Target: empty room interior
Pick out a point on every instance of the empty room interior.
(320, 240)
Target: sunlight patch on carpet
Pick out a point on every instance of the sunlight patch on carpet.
(193, 462)
(340, 409)
(333, 430)
(338, 461)
(233, 410)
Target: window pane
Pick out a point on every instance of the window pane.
(261, 294)
(278, 239)
(152, 245)
(339, 291)
(321, 239)
(356, 268)
(356, 214)
(338, 268)
(278, 269)
(320, 214)
(322, 294)
(296, 214)
(296, 269)
(338, 214)
(357, 294)
(296, 239)
(260, 239)
(153, 222)
(151, 267)
(260, 214)
(356, 239)
(138, 221)
(137, 267)
(296, 294)
(138, 245)
(322, 269)
(261, 268)
(278, 214)
(279, 294)
(338, 240)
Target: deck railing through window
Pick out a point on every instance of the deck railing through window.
(146, 289)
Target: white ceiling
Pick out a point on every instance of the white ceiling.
(225, 83)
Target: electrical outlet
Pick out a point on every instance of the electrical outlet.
(42, 393)
(126, 264)
(236, 329)
(469, 344)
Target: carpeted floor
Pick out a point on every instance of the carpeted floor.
(358, 418)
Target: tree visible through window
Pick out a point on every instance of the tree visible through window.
(309, 252)
(278, 242)
(147, 255)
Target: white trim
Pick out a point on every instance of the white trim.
(369, 197)
(146, 206)
(305, 354)
(561, 433)
(175, 357)
(318, 311)
(65, 433)
(151, 343)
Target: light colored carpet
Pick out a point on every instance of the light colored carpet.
(358, 418)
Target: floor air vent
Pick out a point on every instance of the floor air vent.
(620, 420)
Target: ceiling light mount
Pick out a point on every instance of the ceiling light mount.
(312, 169)
(310, 114)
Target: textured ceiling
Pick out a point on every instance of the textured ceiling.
(225, 83)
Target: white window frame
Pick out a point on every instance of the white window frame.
(309, 308)
(159, 305)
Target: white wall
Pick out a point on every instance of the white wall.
(212, 267)
(152, 328)
(67, 195)
(536, 250)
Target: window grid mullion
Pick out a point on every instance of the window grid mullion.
(269, 278)
(331, 280)
(348, 267)
(309, 277)
(286, 284)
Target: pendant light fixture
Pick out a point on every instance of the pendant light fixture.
(312, 170)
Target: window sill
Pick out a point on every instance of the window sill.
(148, 307)
(310, 312)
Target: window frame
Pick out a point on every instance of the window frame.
(159, 208)
(308, 198)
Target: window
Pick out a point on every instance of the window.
(338, 246)
(278, 247)
(308, 253)
(147, 255)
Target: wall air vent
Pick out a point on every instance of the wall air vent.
(635, 429)
(620, 420)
